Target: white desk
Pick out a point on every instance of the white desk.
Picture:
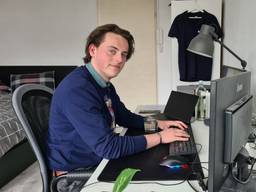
(201, 135)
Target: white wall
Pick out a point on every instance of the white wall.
(240, 30)
(163, 50)
(167, 48)
(136, 84)
(38, 32)
(53, 32)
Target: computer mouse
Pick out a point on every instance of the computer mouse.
(174, 161)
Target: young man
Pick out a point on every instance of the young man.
(85, 108)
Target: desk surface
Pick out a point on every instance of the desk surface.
(201, 135)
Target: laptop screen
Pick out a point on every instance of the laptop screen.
(180, 106)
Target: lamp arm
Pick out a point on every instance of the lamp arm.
(243, 62)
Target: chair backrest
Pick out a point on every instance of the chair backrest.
(31, 103)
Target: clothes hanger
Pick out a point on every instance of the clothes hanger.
(197, 8)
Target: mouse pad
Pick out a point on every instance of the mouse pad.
(148, 162)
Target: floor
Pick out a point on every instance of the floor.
(28, 180)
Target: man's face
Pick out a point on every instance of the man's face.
(109, 58)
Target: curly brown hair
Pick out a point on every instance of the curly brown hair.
(98, 34)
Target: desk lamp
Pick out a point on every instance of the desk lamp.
(202, 44)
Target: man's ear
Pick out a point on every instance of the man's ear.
(92, 49)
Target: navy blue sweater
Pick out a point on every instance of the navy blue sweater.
(79, 133)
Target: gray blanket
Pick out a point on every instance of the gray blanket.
(11, 131)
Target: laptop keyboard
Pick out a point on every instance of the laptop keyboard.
(177, 148)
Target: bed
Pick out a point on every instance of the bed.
(19, 156)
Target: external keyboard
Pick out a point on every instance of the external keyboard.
(183, 147)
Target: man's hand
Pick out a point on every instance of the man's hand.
(164, 124)
(166, 136)
(173, 134)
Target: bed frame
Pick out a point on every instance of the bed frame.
(21, 156)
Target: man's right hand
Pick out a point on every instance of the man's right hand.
(166, 136)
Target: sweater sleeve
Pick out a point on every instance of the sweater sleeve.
(85, 110)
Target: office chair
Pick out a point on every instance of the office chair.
(31, 103)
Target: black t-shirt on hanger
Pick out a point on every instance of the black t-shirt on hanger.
(185, 27)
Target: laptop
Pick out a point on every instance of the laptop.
(180, 106)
